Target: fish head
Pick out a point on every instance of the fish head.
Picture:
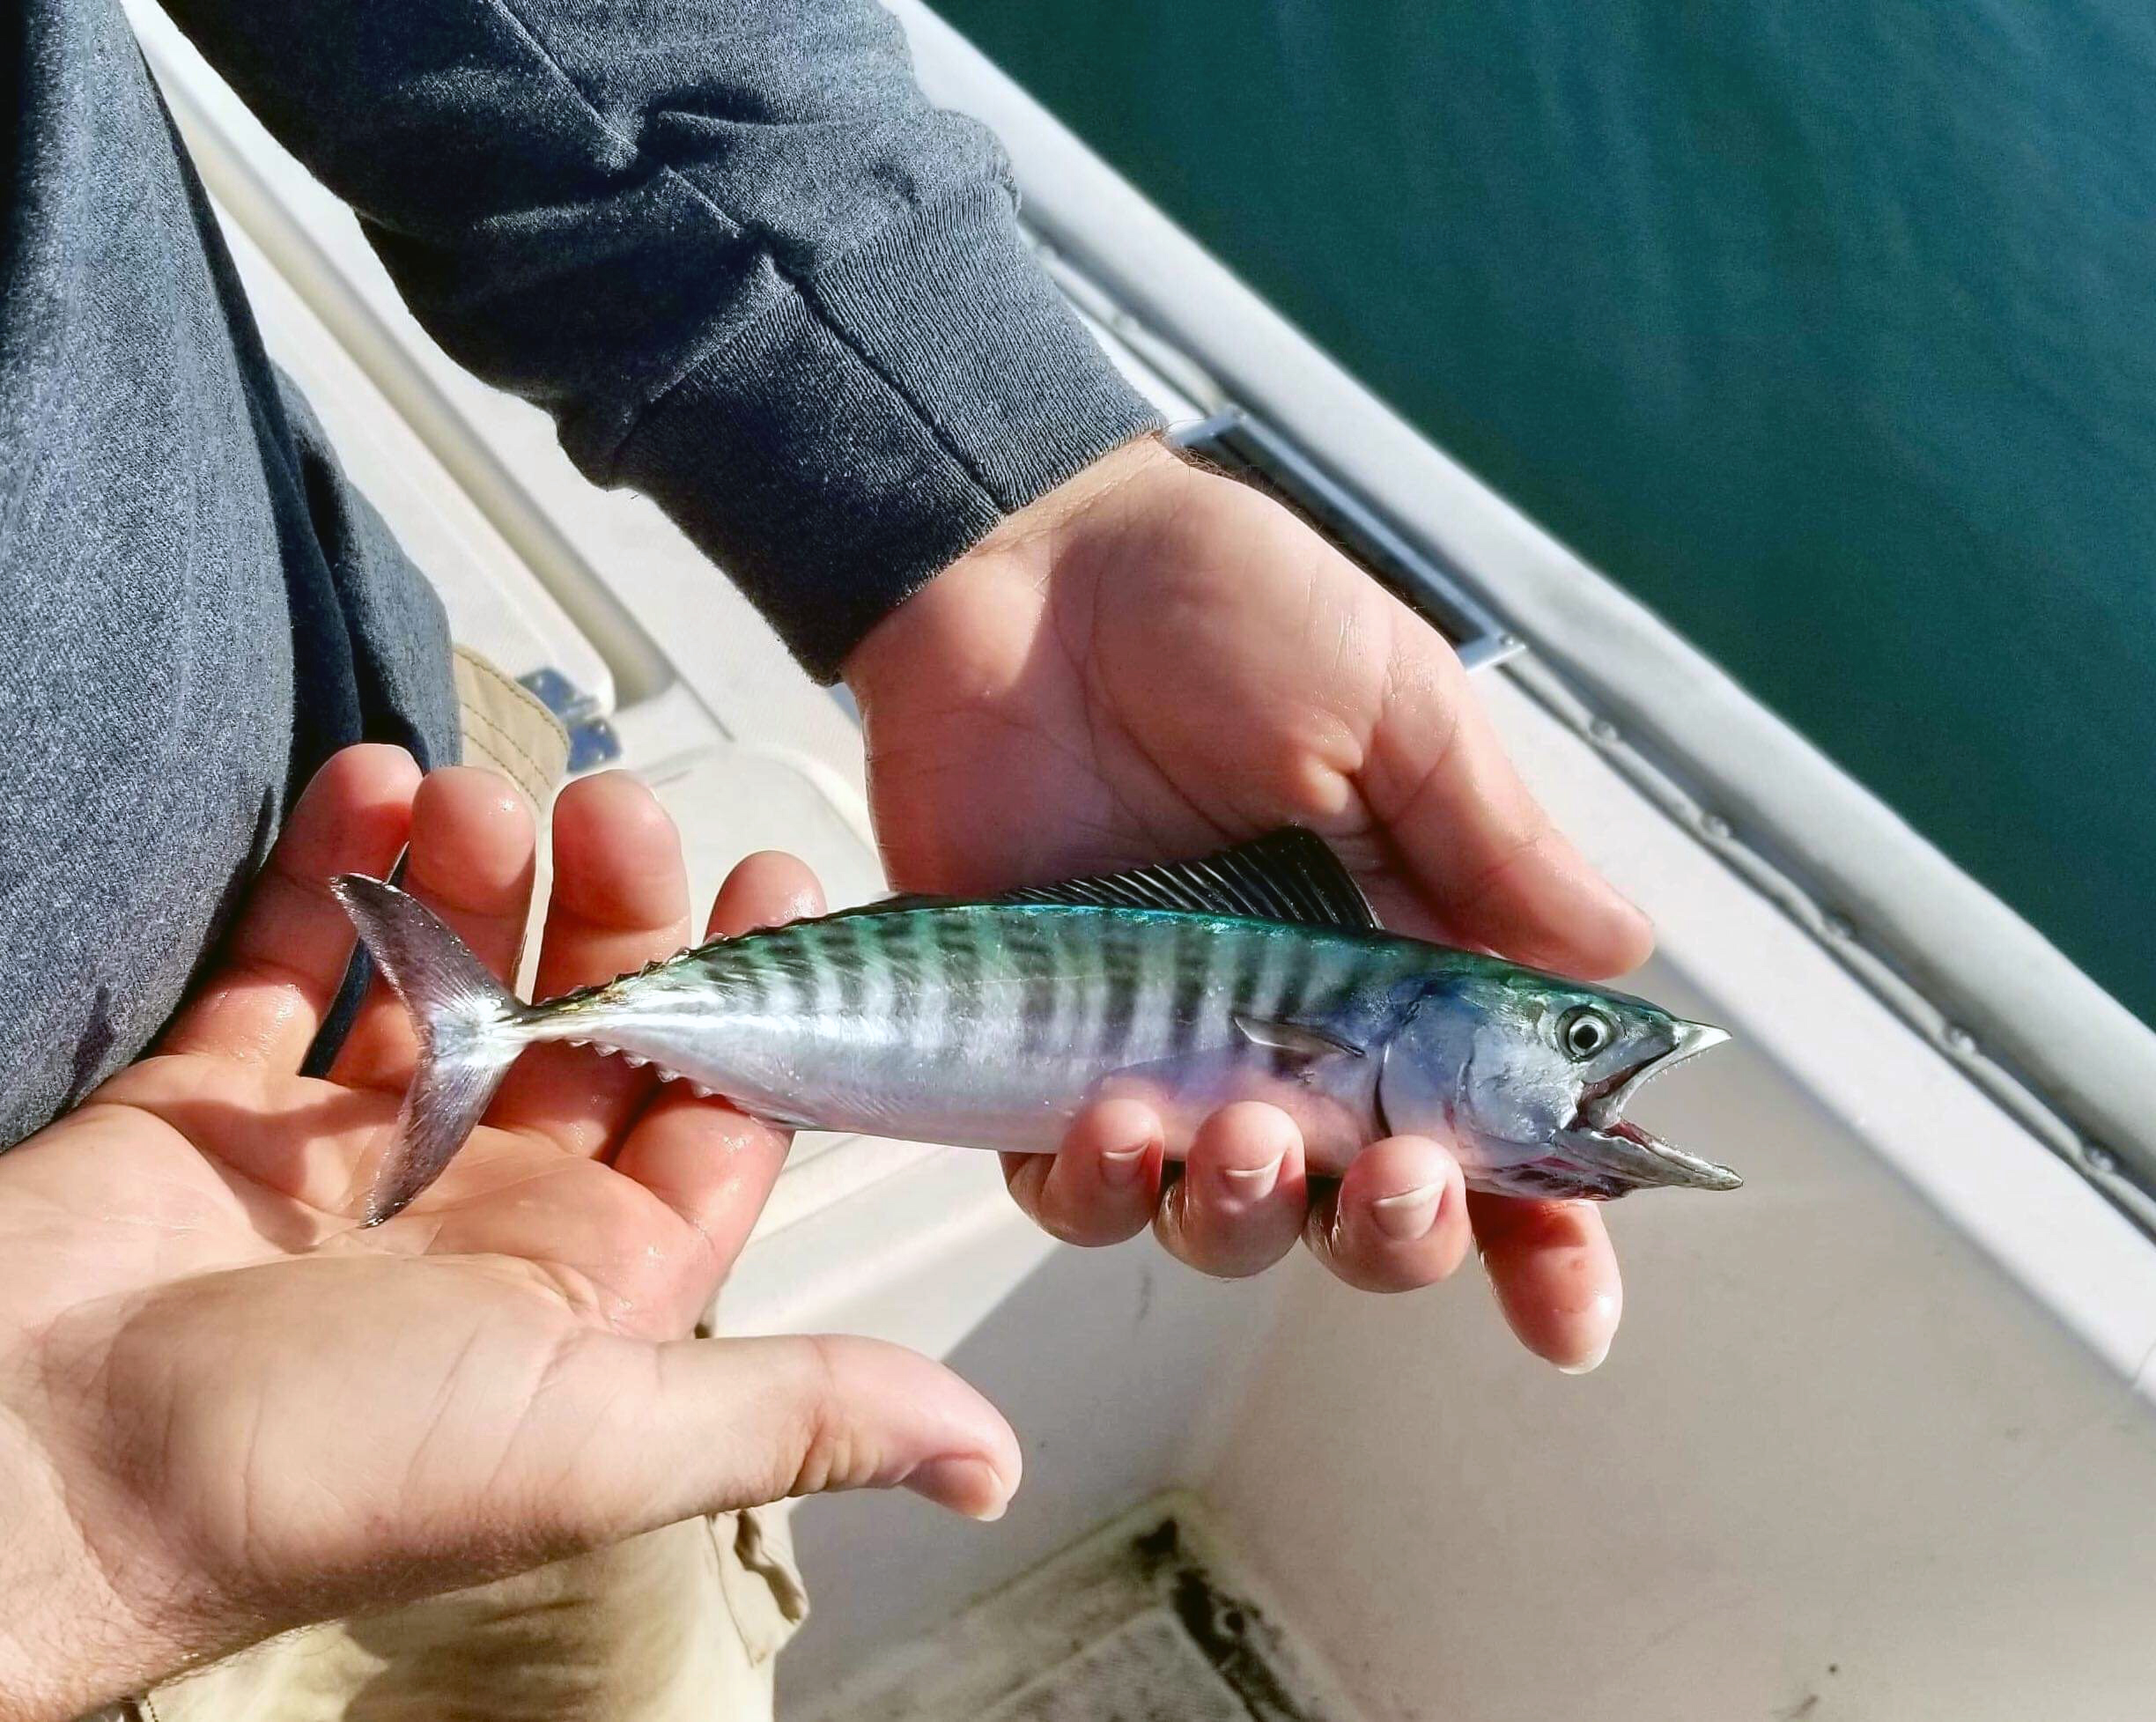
(1528, 1077)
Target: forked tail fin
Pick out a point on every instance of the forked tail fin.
(470, 1030)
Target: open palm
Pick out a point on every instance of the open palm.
(1155, 661)
(226, 1409)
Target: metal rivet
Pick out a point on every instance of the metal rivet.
(1714, 825)
(1512, 642)
(1839, 926)
(1960, 1039)
(2099, 1158)
(1604, 731)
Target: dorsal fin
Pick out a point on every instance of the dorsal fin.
(1288, 874)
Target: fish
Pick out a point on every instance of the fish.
(1259, 972)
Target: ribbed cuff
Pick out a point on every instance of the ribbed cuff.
(879, 419)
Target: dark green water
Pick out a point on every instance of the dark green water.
(1827, 327)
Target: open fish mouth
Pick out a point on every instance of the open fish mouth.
(1652, 1160)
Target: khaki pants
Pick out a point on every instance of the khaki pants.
(682, 1625)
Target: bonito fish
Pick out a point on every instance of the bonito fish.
(1258, 973)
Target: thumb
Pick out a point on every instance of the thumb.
(708, 1425)
(1475, 842)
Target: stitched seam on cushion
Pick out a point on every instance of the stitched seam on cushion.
(509, 742)
(542, 779)
(696, 362)
(484, 668)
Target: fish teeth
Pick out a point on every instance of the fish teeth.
(700, 1091)
(635, 1063)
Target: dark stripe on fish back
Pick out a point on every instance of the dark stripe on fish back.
(830, 973)
(1118, 1002)
(796, 965)
(1042, 991)
(1152, 960)
(974, 958)
(1028, 941)
(762, 971)
(1191, 947)
(1266, 980)
(743, 963)
(1090, 1006)
(837, 967)
(872, 974)
(1039, 953)
(1315, 991)
(920, 1003)
(1299, 980)
(1067, 988)
(1213, 956)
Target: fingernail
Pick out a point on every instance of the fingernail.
(1586, 1365)
(1411, 1214)
(1119, 1166)
(1254, 1183)
(963, 1484)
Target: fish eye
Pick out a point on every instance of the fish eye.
(1585, 1031)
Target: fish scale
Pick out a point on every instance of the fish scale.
(1258, 973)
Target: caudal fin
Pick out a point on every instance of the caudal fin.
(470, 1030)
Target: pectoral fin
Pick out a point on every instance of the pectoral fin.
(1300, 1039)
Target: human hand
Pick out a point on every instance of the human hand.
(226, 1409)
(1153, 661)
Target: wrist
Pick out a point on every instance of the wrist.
(1086, 500)
(40, 1676)
(68, 1642)
(932, 629)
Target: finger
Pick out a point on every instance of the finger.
(697, 1426)
(1492, 866)
(470, 862)
(1398, 1219)
(1239, 1205)
(1101, 1185)
(710, 1164)
(1556, 1276)
(620, 900)
(767, 889)
(285, 956)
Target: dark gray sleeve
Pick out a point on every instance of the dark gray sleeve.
(728, 244)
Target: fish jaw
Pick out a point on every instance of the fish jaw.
(1613, 1156)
